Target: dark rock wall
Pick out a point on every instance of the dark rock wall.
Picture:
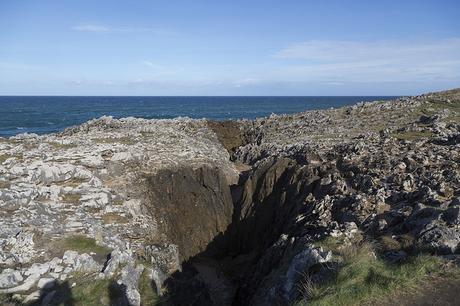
(191, 206)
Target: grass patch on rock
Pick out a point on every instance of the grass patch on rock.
(62, 146)
(91, 291)
(435, 106)
(4, 157)
(79, 243)
(87, 292)
(147, 290)
(114, 218)
(362, 277)
(71, 198)
(121, 140)
(73, 182)
(412, 135)
(5, 184)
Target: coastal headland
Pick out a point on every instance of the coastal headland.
(336, 206)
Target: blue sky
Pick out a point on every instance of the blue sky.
(228, 47)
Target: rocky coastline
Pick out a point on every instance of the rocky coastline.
(196, 212)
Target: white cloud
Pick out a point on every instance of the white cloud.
(377, 61)
(247, 82)
(383, 50)
(148, 64)
(106, 29)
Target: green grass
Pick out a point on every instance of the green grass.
(121, 140)
(435, 106)
(147, 290)
(379, 126)
(79, 243)
(362, 277)
(87, 292)
(64, 146)
(4, 157)
(90, 291)
(71, 198)
(118, 202)
(114, 218)
(412, 135)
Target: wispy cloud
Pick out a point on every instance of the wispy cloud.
(97, 28)
(149, 64)
(335, 51)
(247, 82)
(162, 69)
(371, 61)
(91, 28)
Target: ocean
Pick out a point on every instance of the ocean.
(49, 114)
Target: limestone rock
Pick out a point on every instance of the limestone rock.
(130, 275)
(10, 278)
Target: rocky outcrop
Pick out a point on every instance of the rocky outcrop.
(221, 213)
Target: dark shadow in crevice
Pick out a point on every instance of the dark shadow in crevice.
(223, 273)
(117, 294)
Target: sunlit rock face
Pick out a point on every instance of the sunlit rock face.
(224, 212)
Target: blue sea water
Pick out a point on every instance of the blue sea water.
(48, 114)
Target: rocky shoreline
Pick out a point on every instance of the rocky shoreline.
(225, 213)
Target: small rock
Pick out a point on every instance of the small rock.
(37, 268)
(382, 224)
(26, 286)
(34, 296)
(69, 257)
(86, 263)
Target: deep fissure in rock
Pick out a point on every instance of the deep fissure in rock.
(227, 257)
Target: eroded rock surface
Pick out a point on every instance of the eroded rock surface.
(233, 207)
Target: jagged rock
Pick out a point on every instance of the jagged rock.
(165, 261)
(86, 263)
(160, 189)
(117, 257)
(69, 257)
(21, 248)
(34, 296)
(78, 262)
(130, 275)
(301, 262)
(28, 284)
(10, 278)
(37, 269)
(440, 238)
